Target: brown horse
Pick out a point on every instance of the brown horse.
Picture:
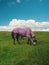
(24, 32)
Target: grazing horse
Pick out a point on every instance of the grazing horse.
(24, 32)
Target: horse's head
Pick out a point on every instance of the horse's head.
(34, 40)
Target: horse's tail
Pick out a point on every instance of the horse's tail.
(12, 35)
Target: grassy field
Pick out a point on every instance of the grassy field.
(24, 54)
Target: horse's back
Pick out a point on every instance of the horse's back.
(19, 31)
(24, 31)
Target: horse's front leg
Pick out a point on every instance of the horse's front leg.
(29, 41)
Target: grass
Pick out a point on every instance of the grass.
(24, 54)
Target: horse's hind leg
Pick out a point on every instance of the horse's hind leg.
(17, 37)
(14, 37)
(14, 41)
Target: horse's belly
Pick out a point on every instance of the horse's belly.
(21, 33)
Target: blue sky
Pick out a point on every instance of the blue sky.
(23, 9)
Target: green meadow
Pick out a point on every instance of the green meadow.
(24, 54)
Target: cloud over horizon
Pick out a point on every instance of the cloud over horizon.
(35, 26)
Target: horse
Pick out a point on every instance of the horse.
(24, 32)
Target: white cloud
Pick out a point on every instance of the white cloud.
(18, 1)
(37, 26)
(6, 28)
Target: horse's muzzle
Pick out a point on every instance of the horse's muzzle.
(34, 40)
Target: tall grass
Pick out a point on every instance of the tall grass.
(24, 54)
